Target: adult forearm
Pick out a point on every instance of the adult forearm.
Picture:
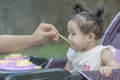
(10, 43)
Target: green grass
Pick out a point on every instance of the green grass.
(47, 50)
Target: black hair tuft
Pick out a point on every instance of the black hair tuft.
(100, 12)
(78, 8)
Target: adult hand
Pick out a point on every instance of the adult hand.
(43, 32)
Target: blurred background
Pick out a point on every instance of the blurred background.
(19, 17)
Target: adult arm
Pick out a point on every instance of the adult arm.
(11, 43)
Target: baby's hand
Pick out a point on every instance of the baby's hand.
(106, 70)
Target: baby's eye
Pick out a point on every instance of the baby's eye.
(73, 34)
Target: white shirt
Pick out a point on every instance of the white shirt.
(89, 60)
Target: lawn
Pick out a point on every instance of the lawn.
(47, 50)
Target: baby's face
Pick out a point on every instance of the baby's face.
(77, 38)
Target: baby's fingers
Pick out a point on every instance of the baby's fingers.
(106, 71)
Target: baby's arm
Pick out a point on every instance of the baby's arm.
(68, 66)
(108, 62)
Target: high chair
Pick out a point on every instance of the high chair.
(54, 70)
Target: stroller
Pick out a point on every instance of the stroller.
(54, 70)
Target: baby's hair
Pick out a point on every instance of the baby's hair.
(89, 21)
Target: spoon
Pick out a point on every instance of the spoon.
(64, 39)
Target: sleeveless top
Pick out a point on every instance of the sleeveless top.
(89, 60)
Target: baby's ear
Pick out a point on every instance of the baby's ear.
(91, 36)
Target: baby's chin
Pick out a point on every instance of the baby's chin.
(72, 47)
